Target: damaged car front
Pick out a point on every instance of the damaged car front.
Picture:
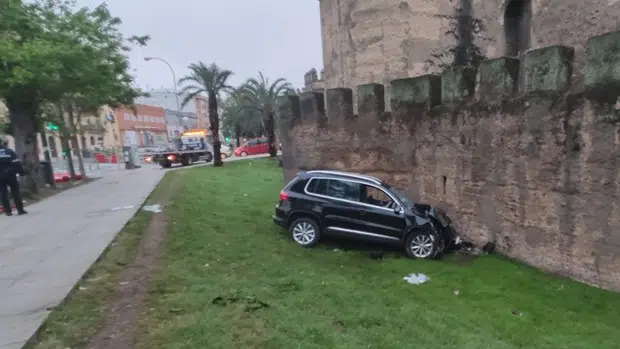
(431, 217)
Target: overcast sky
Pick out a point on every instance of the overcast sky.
(282, 38)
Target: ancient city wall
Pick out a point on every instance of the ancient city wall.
(507, 150)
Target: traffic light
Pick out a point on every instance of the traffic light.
(227, 139)
(51, 126)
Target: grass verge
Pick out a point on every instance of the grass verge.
(82, 313)
(222, 243)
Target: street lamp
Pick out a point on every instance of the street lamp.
(174, 80)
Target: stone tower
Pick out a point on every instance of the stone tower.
(380, 40)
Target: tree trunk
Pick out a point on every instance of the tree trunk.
(214, 120)
(66, 150)
(271, 134)
(73, 120)
(22, 115)
(238, 134)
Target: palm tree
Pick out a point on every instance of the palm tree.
(261, 95)
(238, 119)
(210, 80)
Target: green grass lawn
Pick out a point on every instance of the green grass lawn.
(223, 243)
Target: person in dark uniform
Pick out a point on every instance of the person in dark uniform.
(10, 166)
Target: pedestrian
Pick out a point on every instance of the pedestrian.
(10, 166)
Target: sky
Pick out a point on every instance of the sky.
(281, 38)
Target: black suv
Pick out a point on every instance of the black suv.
(361, 207)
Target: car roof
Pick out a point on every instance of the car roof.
(345, 175)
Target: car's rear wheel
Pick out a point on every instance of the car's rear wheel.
(423, 244)
(244, 153)
(305, 232)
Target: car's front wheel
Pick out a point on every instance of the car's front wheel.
(422, 244)
(305, 232)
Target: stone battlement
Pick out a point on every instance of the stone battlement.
(509, 150)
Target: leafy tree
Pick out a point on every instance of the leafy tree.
(53, 53)
(211, 80)
(261, 95)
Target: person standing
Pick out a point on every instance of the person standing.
(10, 166)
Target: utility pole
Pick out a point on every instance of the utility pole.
(174, 81)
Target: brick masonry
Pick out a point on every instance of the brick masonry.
(367, 41)
(520, 157)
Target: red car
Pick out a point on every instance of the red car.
(253, 147)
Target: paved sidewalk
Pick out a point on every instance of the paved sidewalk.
(44, 254)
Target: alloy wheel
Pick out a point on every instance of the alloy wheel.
(304, 233)
(422, 246)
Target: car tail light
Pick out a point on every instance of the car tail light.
(171, 157)
(283, 196)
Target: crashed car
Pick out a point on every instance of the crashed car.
(349, 205)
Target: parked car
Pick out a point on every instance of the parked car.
(253, 147)
(226, 150)
(317, 203)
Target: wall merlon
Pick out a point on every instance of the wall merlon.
(602, 67)
(422, 92)
(312, 108)
(498, 79)
(547, 71)
(458, 84)
(340, 105)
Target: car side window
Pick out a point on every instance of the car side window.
(318, 186)
(252, 142)
(335, 188)
(376, 197)
(343, 190)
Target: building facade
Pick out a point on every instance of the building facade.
(378, 41)
(143, 127)
(177, 125)
(98, 133)
(166, 98)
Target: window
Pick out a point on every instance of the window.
(92, 140)
(253, 142)
(517, 27)
(376, 197)
(335, 188)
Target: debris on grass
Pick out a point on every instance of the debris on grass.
(156, 208)
(251, 303)
(416, 279)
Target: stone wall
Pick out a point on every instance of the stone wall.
(510, 151)
(381, 40)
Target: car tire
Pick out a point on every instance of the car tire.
(423, 244)
(243, 154)
(305, 232)
(208, 157)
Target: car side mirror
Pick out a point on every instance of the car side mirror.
(398, 210)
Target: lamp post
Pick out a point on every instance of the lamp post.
(176, 92)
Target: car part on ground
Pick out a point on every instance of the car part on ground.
(355, 206)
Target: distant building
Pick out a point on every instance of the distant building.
(176, 126)
(146, 127)
(165, 98)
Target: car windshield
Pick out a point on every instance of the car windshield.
(402, 197)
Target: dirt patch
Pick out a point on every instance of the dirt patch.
(119, 329)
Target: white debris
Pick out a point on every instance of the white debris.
(119, 208)
(416, 279)
(152, 208)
